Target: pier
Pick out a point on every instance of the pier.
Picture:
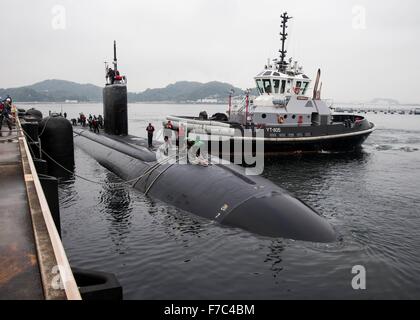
(33, 262)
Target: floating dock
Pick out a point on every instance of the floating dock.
(33, 263)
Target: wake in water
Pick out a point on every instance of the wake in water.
(393, 148)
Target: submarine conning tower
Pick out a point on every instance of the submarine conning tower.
(115, 100)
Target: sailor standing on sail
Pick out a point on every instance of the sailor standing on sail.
(110, 76)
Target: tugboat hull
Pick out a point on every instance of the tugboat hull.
(336, 137)
(328, 143)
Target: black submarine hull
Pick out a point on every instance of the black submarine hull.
(222, 193)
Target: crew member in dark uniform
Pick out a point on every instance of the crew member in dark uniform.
(150, 130)
(6, 112)
(101, 121)
(95, 125)
(111, 76)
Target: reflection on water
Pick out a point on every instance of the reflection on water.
(275, 258)
(115, 204)
(371, 199)
(67, 192)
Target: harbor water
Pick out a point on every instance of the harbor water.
(371, 198)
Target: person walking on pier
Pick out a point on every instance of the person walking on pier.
(150, 130)
(1, 112)
(5, 113)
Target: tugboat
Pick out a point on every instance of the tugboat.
(292, 117)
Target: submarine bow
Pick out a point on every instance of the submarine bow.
(219, 192)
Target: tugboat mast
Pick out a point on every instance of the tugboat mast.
(282, 64)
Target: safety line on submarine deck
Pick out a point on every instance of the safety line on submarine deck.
(128, 182)
(72, 173)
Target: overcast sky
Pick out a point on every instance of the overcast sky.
(365, 48)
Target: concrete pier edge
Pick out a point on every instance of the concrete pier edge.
(56, 274)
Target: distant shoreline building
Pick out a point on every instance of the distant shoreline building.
(208, 100)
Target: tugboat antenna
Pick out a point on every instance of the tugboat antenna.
(115, 56)
(282, 64)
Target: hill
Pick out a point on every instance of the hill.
(54, 91)
(24, 94)
(184, 91)
(61, 90)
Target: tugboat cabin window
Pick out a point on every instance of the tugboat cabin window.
(276, 86)
(267, 86)
(289, 85)
(283, 86)
(305, 87)
(260, 86)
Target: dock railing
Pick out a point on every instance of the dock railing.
(56, 275)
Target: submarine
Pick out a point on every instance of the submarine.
(221, 192)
